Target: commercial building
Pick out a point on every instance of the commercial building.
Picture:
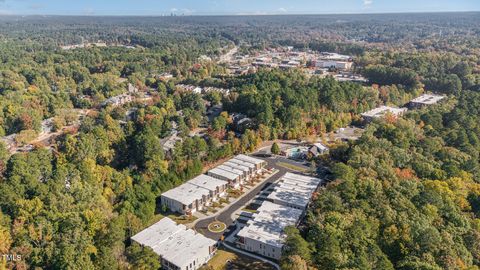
(425, 100)
(343, 65)
(186, 199)
(216, 187)
(381, 112)
(264, 233)
(294, 190)
(179, 248)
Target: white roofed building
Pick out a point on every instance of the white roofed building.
(246, 170)
(381, 111)
(232, 178)
(233, 170)
(264, 234)
(186, 199)
(251, 167)
(238, 169)
(294, 190)
(216, 187)
(179, 248)
(318, 149)
(425, 100)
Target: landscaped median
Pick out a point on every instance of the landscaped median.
(217, 227)
(292, 167)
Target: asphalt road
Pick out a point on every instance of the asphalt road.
(226, 215)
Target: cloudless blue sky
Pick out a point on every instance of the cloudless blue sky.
(234, 7)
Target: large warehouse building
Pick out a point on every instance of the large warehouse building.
(179, 248)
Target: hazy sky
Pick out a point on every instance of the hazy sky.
(215, 7)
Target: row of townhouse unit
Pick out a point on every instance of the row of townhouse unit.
(285, 206)
(202, 190)
(238, 170)
(179, 248)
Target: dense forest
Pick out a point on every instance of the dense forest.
(405, 196)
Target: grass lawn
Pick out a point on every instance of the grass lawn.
(292, 167)
(234, 193)
(178, 218)
(217, 227)
(182, 219)
(225, 259)
(246, 209)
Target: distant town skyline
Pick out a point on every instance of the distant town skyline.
(228, 7)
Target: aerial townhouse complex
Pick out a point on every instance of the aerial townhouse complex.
(285, 206)
(202, 190)
(178, 247)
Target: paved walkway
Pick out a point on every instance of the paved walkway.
(251, 255)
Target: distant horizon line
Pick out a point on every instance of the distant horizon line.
(206, 14)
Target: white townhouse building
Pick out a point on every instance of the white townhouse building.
(179, 248)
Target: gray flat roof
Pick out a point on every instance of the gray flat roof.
(249, 159)
(237, 166)
(231, 169)
(289, 196)
(301, 179)
(223, 173)
(242, 162)
(427, 99)
(174, 243)
(207, 182)
(382, 110)
(294, 189)
(269, 222)
(186, 193)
